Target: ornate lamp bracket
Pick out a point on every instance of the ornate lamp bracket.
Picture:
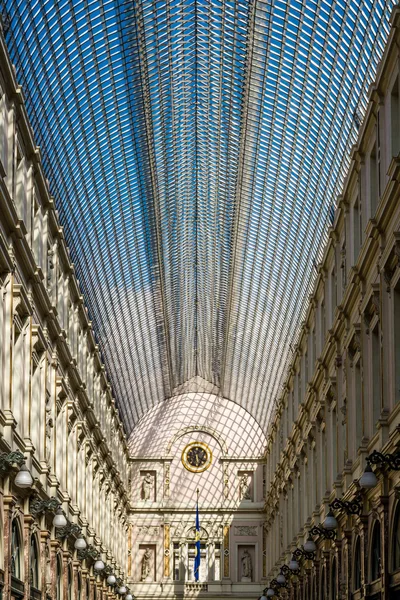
(39, 507)
(389, 460)
(68, 530)
(8, 459)
(89, 552)
(301, 553)
(350, 507)
(328, 534)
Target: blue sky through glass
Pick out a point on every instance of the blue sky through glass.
(195, 148)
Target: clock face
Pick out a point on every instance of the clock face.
(196, 457)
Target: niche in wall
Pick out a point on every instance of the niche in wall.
(246, 563)
(246, 486)
(147, 486)
(147, 563)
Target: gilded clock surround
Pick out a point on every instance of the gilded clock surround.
(186, 461)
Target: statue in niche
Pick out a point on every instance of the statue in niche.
(146, 565)
(244, 486)
(247, 567)
(147, 487)
(49, 430)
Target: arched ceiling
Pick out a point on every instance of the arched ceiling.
(195, 149)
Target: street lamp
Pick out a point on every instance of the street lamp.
(330, 522)
(23, 478)
(111, 579)
(368, 479)
(310, 546)
(80, 543)
(59, 519)
(11, 460)
(98, 565)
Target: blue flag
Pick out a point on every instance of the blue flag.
(197, 542)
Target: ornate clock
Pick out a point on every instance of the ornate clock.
(196, 457)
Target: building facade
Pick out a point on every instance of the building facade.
(262, 495)
(341, 397)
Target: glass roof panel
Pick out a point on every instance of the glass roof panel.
(195, 149)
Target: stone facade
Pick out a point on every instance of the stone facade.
(341, 398)
(260, 496)
(56, 406)
(229, 492)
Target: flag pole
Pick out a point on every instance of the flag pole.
(197, 542)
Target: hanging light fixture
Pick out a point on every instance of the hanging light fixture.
(310, 545)
(293, 564)
(98, 565)
(263, 597)
(59, 518)
(111, 579)
(270, 592)
(129, 597)
(330, 522)
(281, 579)
(23, 478)
(122, 590)
(80, 543)
(368, 479)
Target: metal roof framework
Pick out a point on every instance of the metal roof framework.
(195, 149)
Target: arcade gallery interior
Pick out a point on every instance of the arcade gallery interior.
(199, 299)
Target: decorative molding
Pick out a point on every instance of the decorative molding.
(250, 530)
(145, 530)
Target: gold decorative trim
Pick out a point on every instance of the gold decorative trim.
(226, 550)
(167, 542)
(192, 468)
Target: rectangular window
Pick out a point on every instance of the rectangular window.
(217, 564)
(396, 319)
(176, 559)
(373, 182)
(376, 377)
(394, 117)
(203, 563)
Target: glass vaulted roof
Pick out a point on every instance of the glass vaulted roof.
(195, 149)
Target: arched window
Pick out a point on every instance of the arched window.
(396, 540)
(16, 548)
(34, 563)
(322, 584)
(87, 589)
(70, 583)
(334, 580)
(79, 587)
(376, 552)
(59, 579)
(357, 566)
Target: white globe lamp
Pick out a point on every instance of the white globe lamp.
(23, 478)
(80, 543)
(59, 519)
